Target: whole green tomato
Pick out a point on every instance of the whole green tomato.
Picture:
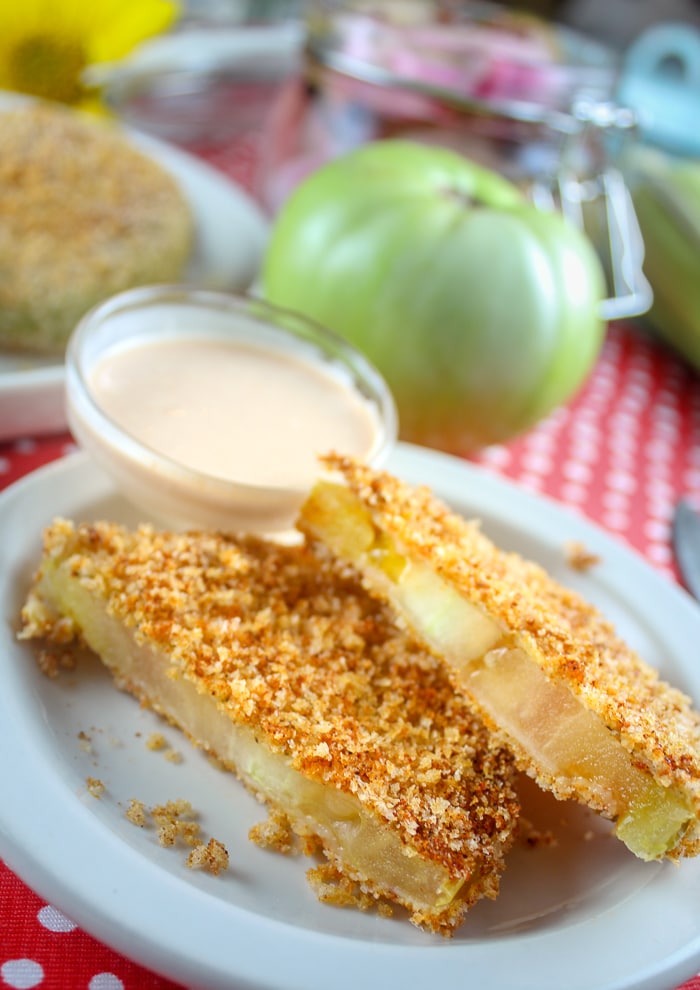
(481, 311)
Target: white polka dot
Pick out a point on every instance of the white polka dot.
(622, 439)
(626, 460)
(660, 508)
(51, 918)
(585, 454)
(660, 487)
(25, 446)
(4, 465)
(639, 391)
(21, 974)
(659, 553)
(692, 478)
(589, 427)
(615, 501)
(105, 981)
(574, 493)
(597, 401)
(605, 372)
(624, 421)
(537, 462)
(656, 529)
(621, 481)
(531, 481)
(632, 403)
(663, 432)
(573, 471)
(640, 379)
(498, 456)
(659, 458)
(618, 521)
(585, 448)
(585, 429)
(556, 420)
(539, 442)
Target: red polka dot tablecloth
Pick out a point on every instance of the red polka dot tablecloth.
(621, 454)
(625, 450)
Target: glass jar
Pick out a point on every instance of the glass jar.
(517, 94)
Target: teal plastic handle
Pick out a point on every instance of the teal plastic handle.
(660, 82)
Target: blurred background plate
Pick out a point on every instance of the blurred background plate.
(205, 83)
(230, 236)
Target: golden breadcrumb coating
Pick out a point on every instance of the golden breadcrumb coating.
(291, 645)
(332, 887)
(83, 215)
(567, 637)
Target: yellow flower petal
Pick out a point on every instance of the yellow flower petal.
(133, 24)
(37, 36)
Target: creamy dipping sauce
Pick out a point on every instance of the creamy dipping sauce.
(233, 410)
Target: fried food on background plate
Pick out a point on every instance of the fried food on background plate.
(581, 712)
(83, 215)
(276, 660)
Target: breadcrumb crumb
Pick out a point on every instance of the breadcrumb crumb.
(136, 812)
(579, 557)
(175, 823)
(274, 833)
(95, 787)
(156, 741)
(85, 742)
(534, 838)
(212, 857)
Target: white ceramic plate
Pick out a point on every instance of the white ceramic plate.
(230, 238)
(583, 914)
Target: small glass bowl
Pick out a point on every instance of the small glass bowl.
(168, 492)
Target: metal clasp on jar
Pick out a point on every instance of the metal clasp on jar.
(592, 193)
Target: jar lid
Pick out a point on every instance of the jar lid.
(473, 56)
